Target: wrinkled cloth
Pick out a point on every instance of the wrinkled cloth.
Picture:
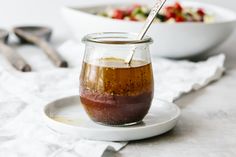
(23, 95)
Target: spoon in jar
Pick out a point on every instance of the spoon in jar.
(14, 58)
(39, 36)
(156, 8)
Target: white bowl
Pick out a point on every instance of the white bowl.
(175, 40)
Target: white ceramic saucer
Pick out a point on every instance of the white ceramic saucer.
(67, 116)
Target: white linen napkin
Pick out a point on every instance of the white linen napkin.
(22, 96)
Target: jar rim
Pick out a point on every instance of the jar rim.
(115, 38)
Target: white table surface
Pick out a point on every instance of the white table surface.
(207, 126)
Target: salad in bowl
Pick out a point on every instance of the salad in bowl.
(180, 30)
(170, 13)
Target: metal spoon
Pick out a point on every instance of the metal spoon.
(156, 8)
(14, 58)
(40, 36)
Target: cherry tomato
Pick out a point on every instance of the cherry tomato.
(179, 19)
(178, 7)
(201, 12)
(169, 8)
(170, 12)
(118, 14)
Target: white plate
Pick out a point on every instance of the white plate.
(175, 40)
(67, 116)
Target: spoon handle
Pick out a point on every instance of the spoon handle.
(51, 53)
(14, 58)
(44, 45)
(156, 8)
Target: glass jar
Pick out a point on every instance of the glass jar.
(112, 91)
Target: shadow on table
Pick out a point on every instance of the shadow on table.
(188, 98)
(166, 136)
(183, 128)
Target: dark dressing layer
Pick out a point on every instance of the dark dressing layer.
(115, 93)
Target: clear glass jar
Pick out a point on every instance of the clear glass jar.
(112, 91)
